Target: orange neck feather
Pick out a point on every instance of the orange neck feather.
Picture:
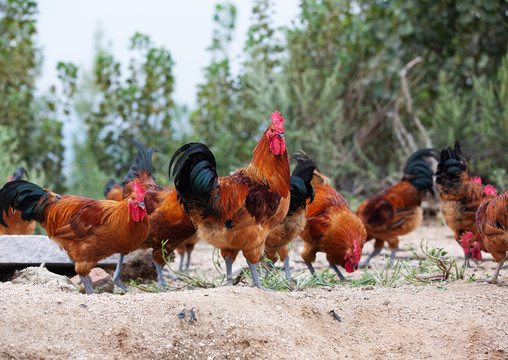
(270, 169)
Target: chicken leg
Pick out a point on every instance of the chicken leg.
(188, 252)
(160, 277)
(229, 270)
(255, 277)
(117, 276)
(336, 269)
(374, 252)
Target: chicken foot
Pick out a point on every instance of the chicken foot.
(87, 283)
(493, 279)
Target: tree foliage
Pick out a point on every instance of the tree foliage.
(136, 102)
(35, 121)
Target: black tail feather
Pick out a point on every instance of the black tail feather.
(451, 164)
(194, 173)
(23, 196)
(300, 181)
(418, 171)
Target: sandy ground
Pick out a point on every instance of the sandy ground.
(451, 320)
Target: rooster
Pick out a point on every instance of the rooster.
(396, 210)
(332, 228)
(88, 230)
(168, 221)
(113, 191)
(15, 224)
(236, 212)
(294, 222)
(460, 195)
(492, 222)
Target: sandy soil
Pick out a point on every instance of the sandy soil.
(451, 320)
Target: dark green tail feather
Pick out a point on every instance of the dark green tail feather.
(22, 196)
(195, 176)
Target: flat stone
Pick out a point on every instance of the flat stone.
(38, 249)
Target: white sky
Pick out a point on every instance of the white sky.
(66, 31)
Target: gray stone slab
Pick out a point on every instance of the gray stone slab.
(37, 249)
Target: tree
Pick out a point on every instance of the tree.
(38, 132)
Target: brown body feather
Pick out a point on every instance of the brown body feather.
(331, 225)
(168, 223)
(283, 234)
(459, 203)
(168, 220)
(393, 212)
(492, 221)
(116, 193)
(16, 225)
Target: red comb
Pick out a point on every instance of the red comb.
(138, 189)
(357, 251)
(278, 121)
(490, 190)
(476, 179)
(464, 240)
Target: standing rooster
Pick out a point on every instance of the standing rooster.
(88, 230)
(492, 222)
(396, 211)
(15, 224)
(460, 195)
(294, 222)
(237, 212)
(332, 228)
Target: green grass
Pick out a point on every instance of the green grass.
(435, 265)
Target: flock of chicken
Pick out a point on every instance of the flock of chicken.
(258, 210)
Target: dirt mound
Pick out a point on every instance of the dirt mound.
(456, 320)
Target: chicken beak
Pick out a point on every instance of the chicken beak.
(141, 204)
(281, 135)
(355, 266)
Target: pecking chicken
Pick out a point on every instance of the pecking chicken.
(113, 191)
(396, 210)
(332, 228)
(15, 224)
(294, 222)
(237, 212)
(460, 195)
(492, 222)
(168, 221)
